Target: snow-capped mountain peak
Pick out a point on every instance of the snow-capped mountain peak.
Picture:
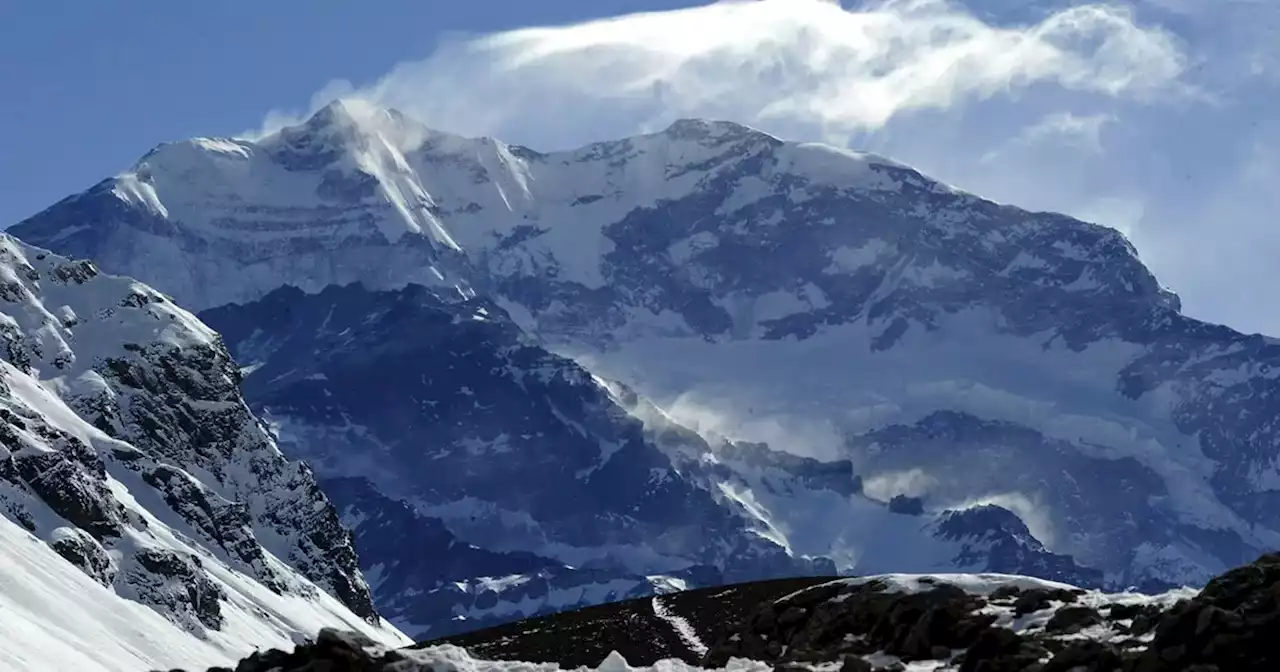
(918, 344)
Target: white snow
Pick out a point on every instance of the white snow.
(53, 617)
(974, 584)
(455, 659)
(847, 259)
(683, 629)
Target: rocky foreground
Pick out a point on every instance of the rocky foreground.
(966, 623)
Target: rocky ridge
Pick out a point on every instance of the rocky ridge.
(962, 623)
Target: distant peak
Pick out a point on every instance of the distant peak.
(343, 126)
(343, 112)
(711, 129)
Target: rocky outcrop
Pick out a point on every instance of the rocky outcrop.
(997, 540)
(126, 447)
(177, 583)
(1230, 625)
(331, 650)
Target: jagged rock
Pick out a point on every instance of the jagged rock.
(1035, 599)
(177, 584)
(1231, 624)
(1085, 656)
(1070, 620)
(80, 549)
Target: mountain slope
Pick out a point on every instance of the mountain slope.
(442, 418)
(828, 303)
(443, 415)
(139, 493)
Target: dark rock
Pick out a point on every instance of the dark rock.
(792, 616)
(176, 583)
(855, 664)
(83, 551)
(999, 650)
(1035, 599)
(1070, 620)
(1233, 624)
(910, 506)
(1085, 656)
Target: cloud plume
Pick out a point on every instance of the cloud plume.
(774, 63)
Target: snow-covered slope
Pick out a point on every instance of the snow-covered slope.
(833, 304)
(146, 519)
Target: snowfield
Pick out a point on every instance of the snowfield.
(54, 618)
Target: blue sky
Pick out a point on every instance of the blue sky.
(90, 86)
(1158, 117)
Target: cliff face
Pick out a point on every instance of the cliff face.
(126, 449)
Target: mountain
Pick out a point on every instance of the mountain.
(954, 353)
(146, 517)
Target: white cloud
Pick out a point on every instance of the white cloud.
(784, 63)
(717, 416)
(1085, 130)
(910, 483)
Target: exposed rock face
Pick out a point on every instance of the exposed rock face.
(1230, 625)
(1006, 626)
(996, 538)
(126, 447)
